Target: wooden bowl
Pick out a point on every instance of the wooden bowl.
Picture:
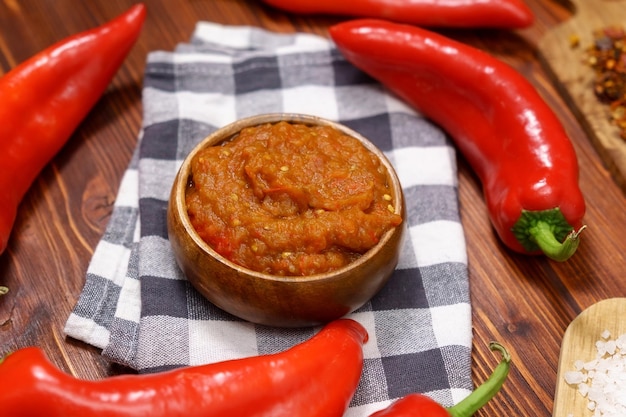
(282, 301)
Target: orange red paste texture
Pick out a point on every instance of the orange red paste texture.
(290, 199)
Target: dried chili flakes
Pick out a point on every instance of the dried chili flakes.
(607, 56)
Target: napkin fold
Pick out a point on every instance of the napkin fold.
(138, 307)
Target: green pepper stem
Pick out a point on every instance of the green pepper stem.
(3, 290)
(485, 392)
(547, 231)
(543, 235)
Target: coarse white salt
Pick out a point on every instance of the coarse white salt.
(575, 377)
(602, 380)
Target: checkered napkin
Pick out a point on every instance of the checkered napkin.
(141, 311)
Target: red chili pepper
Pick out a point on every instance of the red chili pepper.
(510, 14)
(416, 405)
(315, 378)
(45, 98)
(506, 131)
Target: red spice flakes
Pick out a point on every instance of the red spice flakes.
(607, 56)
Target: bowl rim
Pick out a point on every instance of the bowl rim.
(228, 132)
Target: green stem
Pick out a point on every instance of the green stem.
(485, 392)
(3, 290)
(543, 235)
(547, 231)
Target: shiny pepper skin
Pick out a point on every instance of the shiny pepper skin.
(45, 98)
(413, 405)
(316, 378)
(511, 138)
(511, 14)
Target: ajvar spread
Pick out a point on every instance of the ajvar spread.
(290, 199)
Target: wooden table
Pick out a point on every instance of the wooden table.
(525, 302)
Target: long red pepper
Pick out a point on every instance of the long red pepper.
(417, 405)
(510, 14)
(506, 131)
(313, 379)
(44, 99)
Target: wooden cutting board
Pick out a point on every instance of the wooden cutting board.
(579, 343)
(575, 78)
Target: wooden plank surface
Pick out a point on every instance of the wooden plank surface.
(524, 302)
(568, 68)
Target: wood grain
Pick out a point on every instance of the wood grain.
(579, 343)
(576, 79)
(524, 302)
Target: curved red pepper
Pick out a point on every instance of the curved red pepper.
(510, 14)
(509, 135)
(45, 98)
(416, 405)
(313, 379)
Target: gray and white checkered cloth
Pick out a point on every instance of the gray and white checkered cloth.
(141, 311)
